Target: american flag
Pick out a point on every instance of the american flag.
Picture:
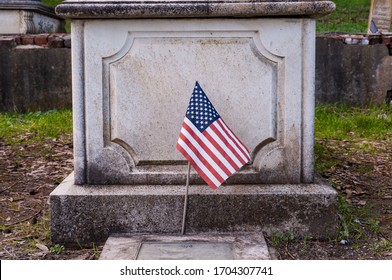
(208, 143)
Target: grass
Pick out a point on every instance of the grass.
(52, 3)
(382, 246)
(28, 234)
(345, 122)
(282, 238)
(331, 122)
(359, 126)
(350, 228)
(57, 249)
(350, 16)
(354, 220)
(340, 122)
(34, 126)
(359, 131)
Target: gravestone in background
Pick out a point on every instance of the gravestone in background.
(28, 16)
(134, 68)
(381, 15)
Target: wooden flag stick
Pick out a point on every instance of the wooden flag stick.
(186, 199)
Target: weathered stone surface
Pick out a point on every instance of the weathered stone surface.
(132, 79)
(330, 88)
(34, 78)
(67, 41)
(354, 74)
(24, 16)
(92, 213)
(55, 42)
(242, 246)
(135, 77)
(41, 39)
(381, 15)
(27, 40)
(192, 8)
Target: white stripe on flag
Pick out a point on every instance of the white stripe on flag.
(223, 146)
(232, 144)
(210, 145)
(242, 147)
(198, 162)
(204, 153)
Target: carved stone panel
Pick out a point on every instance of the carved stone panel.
(139, 77)
(150, 80)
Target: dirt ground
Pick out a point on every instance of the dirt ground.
(29, 172)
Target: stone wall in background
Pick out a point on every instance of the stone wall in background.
(354, 69)
(36, 70)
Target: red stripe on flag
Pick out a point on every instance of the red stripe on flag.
(196, 167)
(220, 150)
(234, 138)
(227, 144)
(202, 158)
(207, 149)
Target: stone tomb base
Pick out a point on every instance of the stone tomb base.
(235, 246)
(28, 17)
(85, 214)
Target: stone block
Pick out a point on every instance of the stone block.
(27, 40)
(386, 39)
(41, 39)
(132, 79)
(380, 15)
(67, 41)
(144, 72)
(55, 41)
(46, 76)
(18, 39)
(27, 17)
(353, 74)
(92, 213)
(7, 42)
(193, 8)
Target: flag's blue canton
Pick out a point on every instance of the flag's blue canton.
(200, 110)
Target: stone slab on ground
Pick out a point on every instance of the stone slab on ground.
(211, 246)
(85, 214)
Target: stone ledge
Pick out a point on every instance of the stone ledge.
(88, 214)
(36, 6)
(193, 8)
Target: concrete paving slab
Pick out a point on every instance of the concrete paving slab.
(204, 246)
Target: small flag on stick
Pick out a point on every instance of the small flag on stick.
(208, 143)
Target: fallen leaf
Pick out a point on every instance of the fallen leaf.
(85, 256)
(42, 247)
(362, 202)
(358, 190)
